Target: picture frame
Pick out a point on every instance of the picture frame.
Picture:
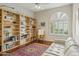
(42, 24)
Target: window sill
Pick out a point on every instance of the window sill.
(65, 35)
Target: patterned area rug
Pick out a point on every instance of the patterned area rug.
(35, 49)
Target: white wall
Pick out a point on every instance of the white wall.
(46, 15)
(76, 22)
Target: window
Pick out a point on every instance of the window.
(59, 24)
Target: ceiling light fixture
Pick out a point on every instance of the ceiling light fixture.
(37, 5)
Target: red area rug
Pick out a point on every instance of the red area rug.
(35, 49)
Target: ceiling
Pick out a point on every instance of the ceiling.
(31, 6)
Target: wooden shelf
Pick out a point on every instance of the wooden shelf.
(7, 23)
(7, 41)
(11, 48)
(18, 46)
(15, 31)
(14, 22)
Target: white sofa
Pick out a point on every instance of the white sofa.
(55, 49)
(69, 49)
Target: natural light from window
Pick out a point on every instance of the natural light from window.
(59, 24)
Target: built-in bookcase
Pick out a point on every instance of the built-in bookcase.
(10, 30)
(23, 32)
(15, 30)
(34, 29)
(31, 28)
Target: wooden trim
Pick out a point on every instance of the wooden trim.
(44, 42)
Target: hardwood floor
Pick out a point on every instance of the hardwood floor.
(35, 41)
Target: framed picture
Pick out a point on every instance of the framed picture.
(43, 24)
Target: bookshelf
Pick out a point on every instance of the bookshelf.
(23, 32)
(9, 28)
(15, 30)
(34, 29)
(31, 28)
